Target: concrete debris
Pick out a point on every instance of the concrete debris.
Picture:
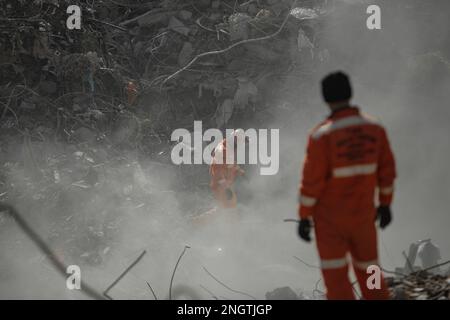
(178, 26)
(88, 102)
(427, 282)
(420, 286)
(428, 253)
(118, 63)
(304, 13)
(284, 293)
(239, 27)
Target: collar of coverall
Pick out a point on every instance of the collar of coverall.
(344, 112)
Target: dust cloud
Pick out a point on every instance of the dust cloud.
(398, 74)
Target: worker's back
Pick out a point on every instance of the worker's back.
(355, 151)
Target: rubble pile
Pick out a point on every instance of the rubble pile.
(420, 286)
(79, 109)
(122, 62)
(129, 76)
(426, 282)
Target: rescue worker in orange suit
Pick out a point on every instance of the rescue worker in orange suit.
(348, 161)
(224, 171)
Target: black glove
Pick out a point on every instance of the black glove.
(304, 229)
(384, 215)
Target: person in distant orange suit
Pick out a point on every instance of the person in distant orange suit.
(223, 174)
(348, 159)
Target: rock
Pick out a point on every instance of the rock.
(239, 28)
(178, 26)
(284, 293)
(430, 255)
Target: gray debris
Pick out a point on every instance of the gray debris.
(284, 293)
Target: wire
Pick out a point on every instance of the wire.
(40, 243)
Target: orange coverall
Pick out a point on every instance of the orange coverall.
(348, 157)
(223, 176)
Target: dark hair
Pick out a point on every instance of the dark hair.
(336, 87)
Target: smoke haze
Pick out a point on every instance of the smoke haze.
(399, 74)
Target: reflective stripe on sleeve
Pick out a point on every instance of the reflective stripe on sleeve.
(333, 263)
(387, 190)
(356, 170)
(341, 124)
(363, 265)
(307, 201)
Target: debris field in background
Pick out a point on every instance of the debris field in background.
(88, 112)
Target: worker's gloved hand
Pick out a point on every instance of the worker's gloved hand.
(229, 193)
(384, 215)
(304, 229)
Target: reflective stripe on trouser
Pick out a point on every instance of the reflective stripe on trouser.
(335, 243)
(363, 265)
(335, 276)
(338, 284)
(333, 263)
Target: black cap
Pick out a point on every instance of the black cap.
(336, 87)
